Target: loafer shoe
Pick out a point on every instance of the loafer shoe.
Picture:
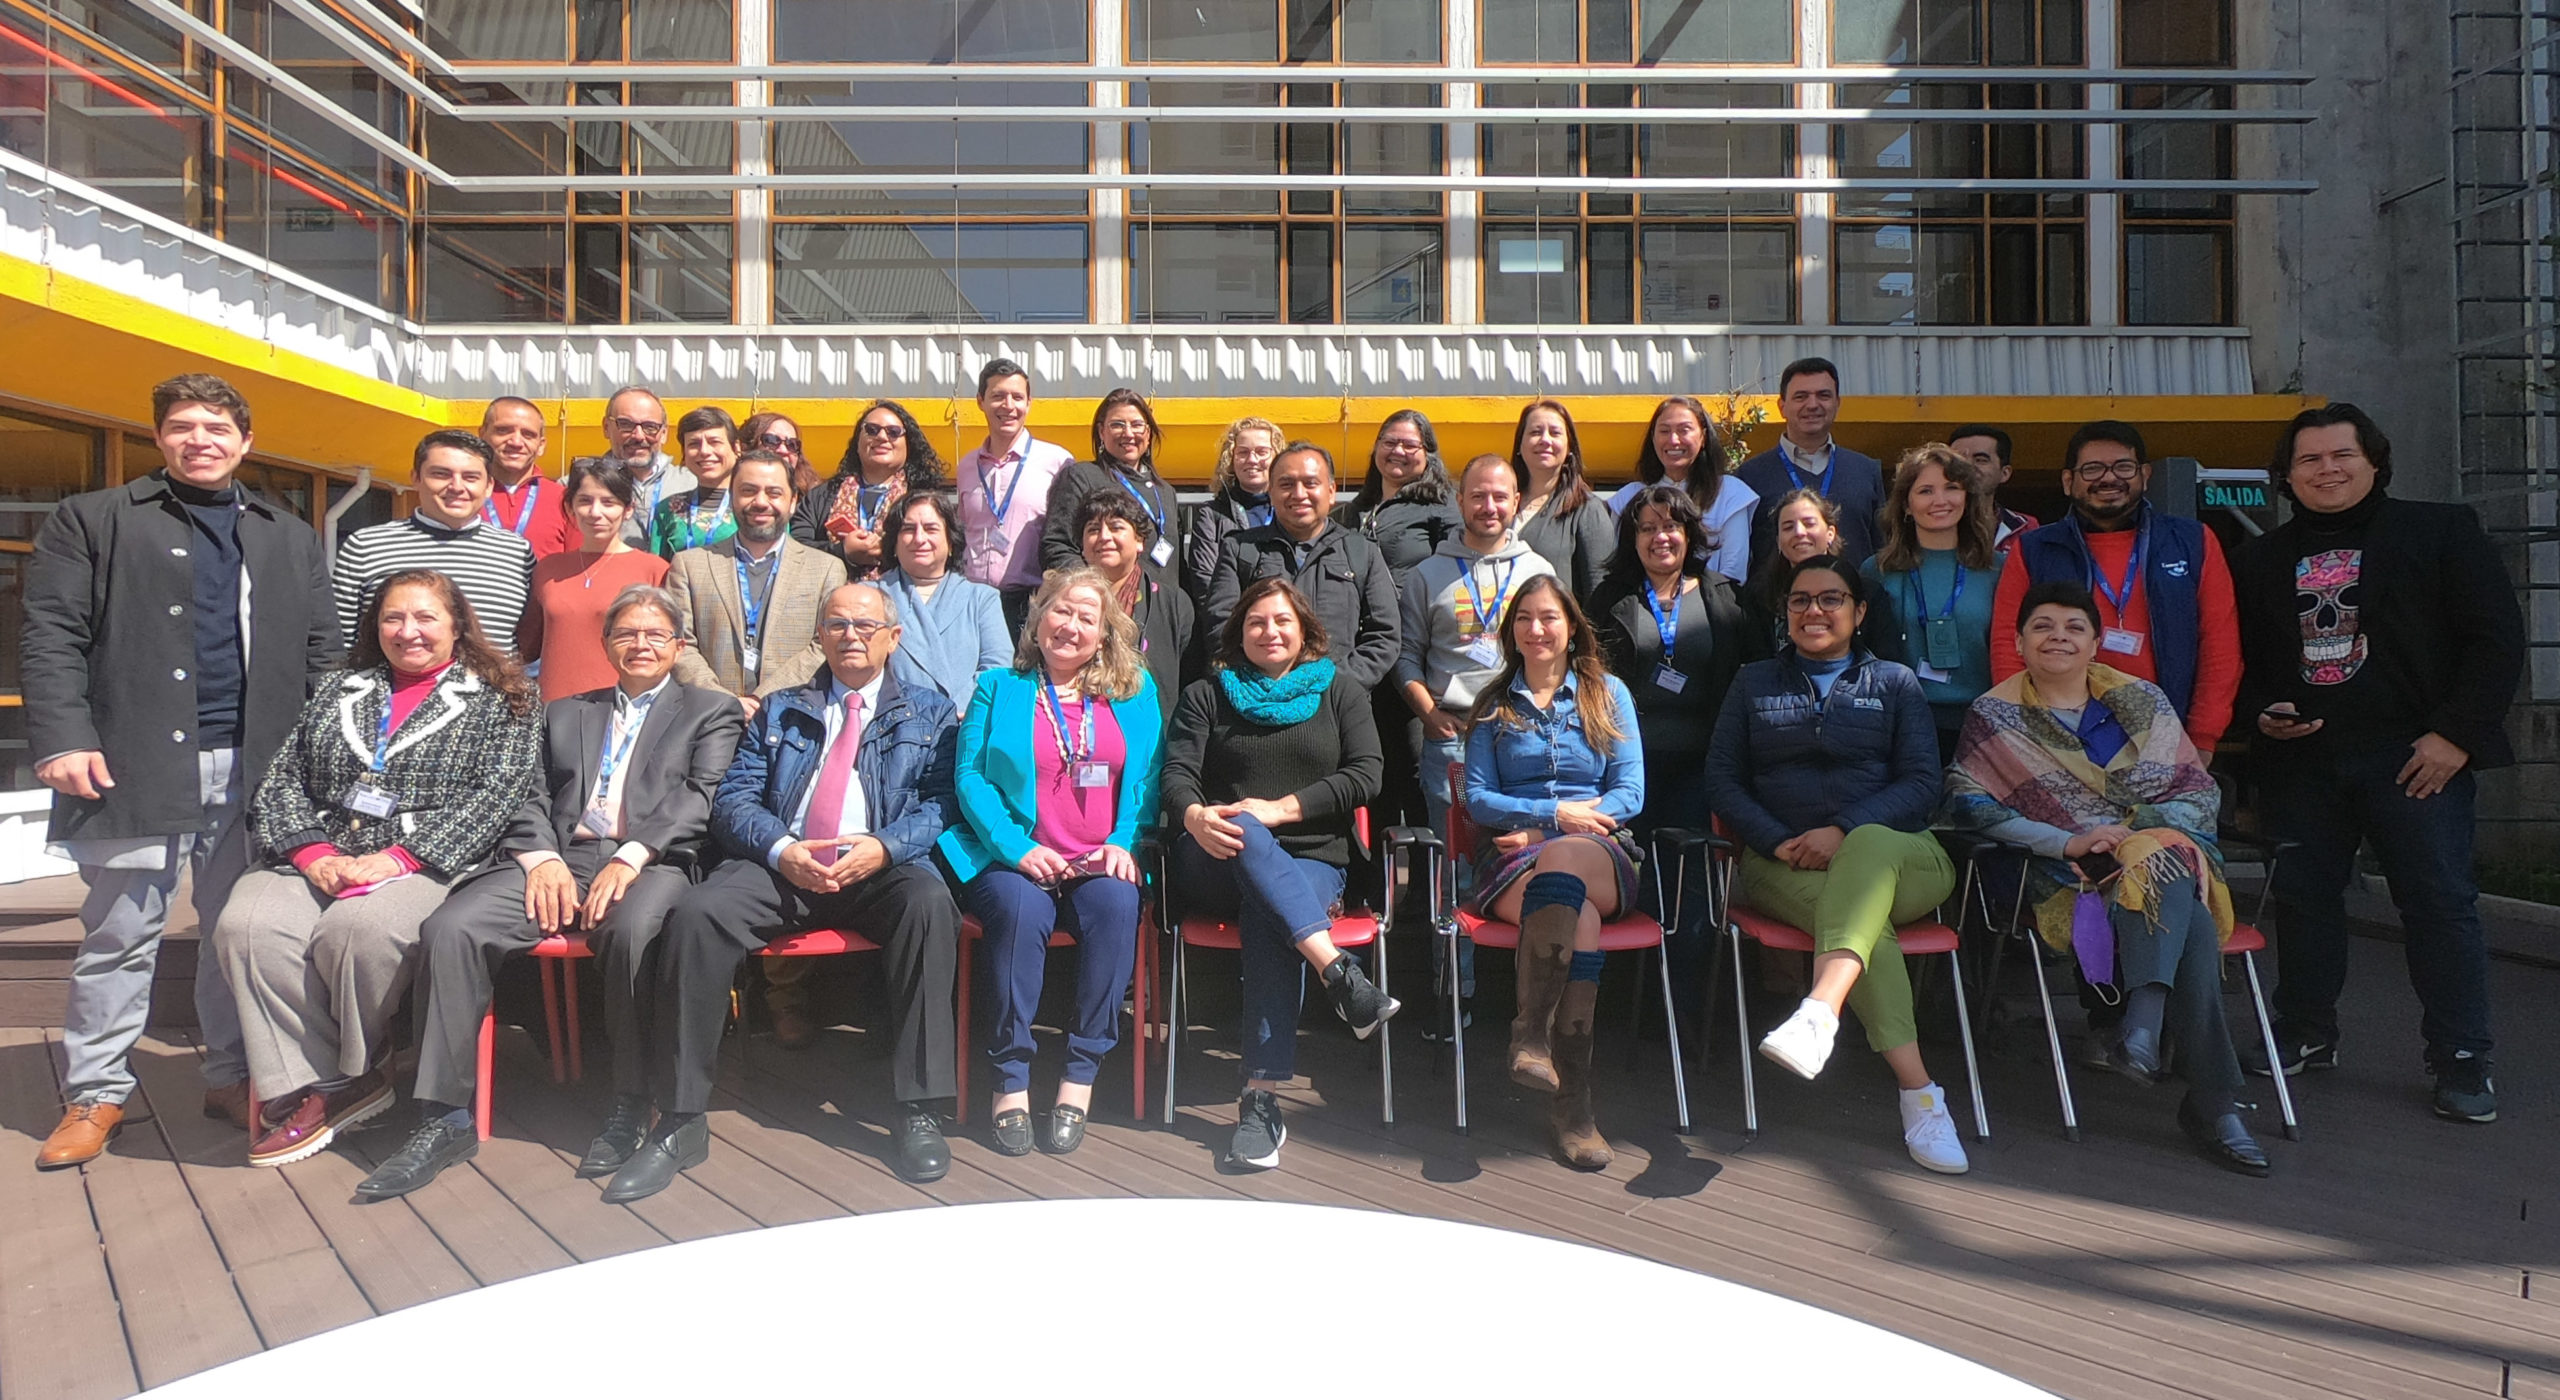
(1066, 1130)
(2141, 1069)
(657, 1163)
(315, 1121)
(1012, 1132)
(229, 1103)
(618, 1139)
(2223, 1140)
(919, 1154)
(432, 1146)
(85, 1130)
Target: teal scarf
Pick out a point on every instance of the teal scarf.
(1290, 698)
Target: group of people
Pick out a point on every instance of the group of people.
(692, 709)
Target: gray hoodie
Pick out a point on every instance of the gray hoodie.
(1440, 615)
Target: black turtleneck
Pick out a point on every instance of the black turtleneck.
(220, 675)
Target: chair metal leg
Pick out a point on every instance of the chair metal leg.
(2053, 1045)
(968, 1034)
(1173, 1025)
(577, 1040)
(487, 1070)
(1972, 1066)
(1141, 990)
(2267, 1029)
(1386, 1038)
(1457, 1002)
(1742, 1038)
(1671, 1023)
(1713, 983)
(551, 1015)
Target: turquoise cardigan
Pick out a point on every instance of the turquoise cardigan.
(998, 770)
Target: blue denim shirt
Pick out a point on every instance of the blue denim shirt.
(1515, 777)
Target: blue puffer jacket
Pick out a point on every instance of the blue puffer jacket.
(904, 766)
(1784, 763)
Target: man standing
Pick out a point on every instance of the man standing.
(635, 422)
(1345, 579)
(2384, 644)
(449, 533)
(752, 601)
(1809, 399)
(2164, 593)
(1988, 448)
(1004, 491)
(155, 698)
(521, 499)
(828, 818)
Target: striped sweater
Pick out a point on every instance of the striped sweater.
(493, 566)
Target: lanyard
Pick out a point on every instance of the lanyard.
(616, 752)
(1153, 503)
(987, 490)
(747, 603)
(2132, 571)
(1920, 594)
(1830, 465)
(696, 530)
(657, 488)
(1488, 620)
(868, 520)
(1666, 624)
(382, 734)
(1083, 748)
(524, 513)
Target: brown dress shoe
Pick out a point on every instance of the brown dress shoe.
(316, 1120)
(229, 1103)
(792, 1028)
(83, 1133)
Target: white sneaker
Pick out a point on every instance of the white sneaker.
(1930, 1131)
(1803, 1041)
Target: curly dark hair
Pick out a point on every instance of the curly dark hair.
(924, 466)
(471, 645)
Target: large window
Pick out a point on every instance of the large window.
(2178, 246)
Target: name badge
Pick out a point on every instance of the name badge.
(1162, 553)
(1944, 646)
(367, 800)
(1093, 775)
(1928, 672)
(752, 659)
(2122, 641)
(1483, 650)
(1670, 680)
(596, 821)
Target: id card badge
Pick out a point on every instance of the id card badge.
(2122, 641)
(597, 822)
(1927, 672)
(1483, 650)
(1670, 680)
(1943, 647)
(366, 800)
(1093, 775)
(1162, 553)
(752, 659)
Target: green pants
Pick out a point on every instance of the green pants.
(1880, 878)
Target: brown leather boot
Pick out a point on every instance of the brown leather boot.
(83, 1133)
(1546, 948)
(229, 1103)
(1578, 1142)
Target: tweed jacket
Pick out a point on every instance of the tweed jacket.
(461, 764)
(705, 583)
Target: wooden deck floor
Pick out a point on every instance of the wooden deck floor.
(2390, 1256)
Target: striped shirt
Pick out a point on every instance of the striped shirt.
(492, 565)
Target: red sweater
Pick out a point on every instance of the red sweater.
(2217, 640)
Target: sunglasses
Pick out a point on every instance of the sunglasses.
(888, 432)
(776, 442)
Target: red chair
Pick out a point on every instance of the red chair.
(1141, 987)
(1633, 931)
(1921, 938)
(1356, 928)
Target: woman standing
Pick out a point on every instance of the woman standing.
(1053, 790)
(954, 625)
(1559, 517)
(1408, 505)
(400, 777)
(775, 432)
(1242, 501)
(1266, 762)
(1124, 464)
(701, 516)
(847, 515)
(1680, 448)
(563, 626)
(1808, 528)
(1116, 535)
(1825, 766)
(1933, 581)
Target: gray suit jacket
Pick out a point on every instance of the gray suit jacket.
(705, 582)
(674, 769)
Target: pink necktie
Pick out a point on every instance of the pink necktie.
(835, 777)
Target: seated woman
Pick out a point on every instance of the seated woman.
(1825, 767)
(399, 778)
(954, 624)
(1053, 789)
(1266, 761)
(1555, 775)
(1116, 535)
(1808, 527)
(2086, 766)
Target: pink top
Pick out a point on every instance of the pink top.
(1003, 503)
(1076, 821)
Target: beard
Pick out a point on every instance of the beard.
(764, 533)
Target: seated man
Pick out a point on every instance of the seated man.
(828, 817)
(629, 774)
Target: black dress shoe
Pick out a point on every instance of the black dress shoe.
(2141, 1069)
(1066, 1130)
(656, 1165)
(2223, 1140)
(1013, 1132)
(919, 1154)
(432, 1146)
(618, 1139)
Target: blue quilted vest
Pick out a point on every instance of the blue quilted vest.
(2172, 574)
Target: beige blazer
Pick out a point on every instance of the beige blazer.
(705, 582)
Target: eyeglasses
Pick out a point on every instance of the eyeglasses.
(862, 627)
(2124, 467)
(641, 637)
(1401, 446)
(651, 431)
(776, 442)
(1832, 601)
(887, 432)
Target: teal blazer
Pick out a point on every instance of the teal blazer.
(998, 769)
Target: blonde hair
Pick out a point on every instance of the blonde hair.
(1117, 666)
(1227, 447)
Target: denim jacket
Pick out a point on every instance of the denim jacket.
(905, 766)
(1515, 777)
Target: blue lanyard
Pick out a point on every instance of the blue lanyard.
(747, 603)
(866, 521)
(1153, 503)
(1920, 594)
(1829, 466)
(524, 514)
(1669, 625)
(1083, 748)
(1487, 621)
(657, 488)
(382, 733)
(615, 753)
(987, 490)
(2132, 571)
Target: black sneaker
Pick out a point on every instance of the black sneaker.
(1259, 1131)
(2295, 1052)
(432, 1146)
(2464, 1091)
(1355, 998)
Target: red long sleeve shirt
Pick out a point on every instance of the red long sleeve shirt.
(2217, 635)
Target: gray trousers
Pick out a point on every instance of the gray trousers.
(317, 979)
(484, 923)
(121, 922)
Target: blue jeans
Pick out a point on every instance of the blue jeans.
(2330, 805)
(1018, 917)
(1277, 901)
